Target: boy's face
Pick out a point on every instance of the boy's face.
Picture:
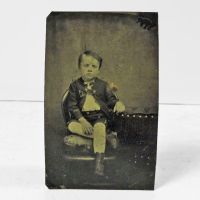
(89, 67)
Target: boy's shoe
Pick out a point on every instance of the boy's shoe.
(99, 167)
(113, 140)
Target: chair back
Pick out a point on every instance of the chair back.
(64, 102)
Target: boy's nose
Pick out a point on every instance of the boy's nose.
(90, 69)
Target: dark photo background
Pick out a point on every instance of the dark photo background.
(130, 60)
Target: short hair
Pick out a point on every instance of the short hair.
(90, 53)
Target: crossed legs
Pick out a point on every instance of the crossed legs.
(99, 142)
(98, 136)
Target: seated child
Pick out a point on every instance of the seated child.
(90, 100)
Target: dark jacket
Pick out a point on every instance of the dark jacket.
(101, 92)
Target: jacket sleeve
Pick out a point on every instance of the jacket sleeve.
(73, 103)
(111, 97)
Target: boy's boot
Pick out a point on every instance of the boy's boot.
(99, 167)
(113, 140)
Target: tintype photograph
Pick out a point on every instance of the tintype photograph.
(101, 100)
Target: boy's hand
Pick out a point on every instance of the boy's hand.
(119, 107)
(87, 127)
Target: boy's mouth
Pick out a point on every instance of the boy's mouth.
(89, 73)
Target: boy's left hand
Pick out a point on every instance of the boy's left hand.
(119, 107)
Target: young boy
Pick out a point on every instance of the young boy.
(90, 100)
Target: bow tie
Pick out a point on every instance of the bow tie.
(89, 84)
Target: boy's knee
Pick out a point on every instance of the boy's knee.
(99, 126)
(73, 126)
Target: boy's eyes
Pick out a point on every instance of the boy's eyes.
(87, 65)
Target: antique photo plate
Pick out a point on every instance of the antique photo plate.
(103, 68)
